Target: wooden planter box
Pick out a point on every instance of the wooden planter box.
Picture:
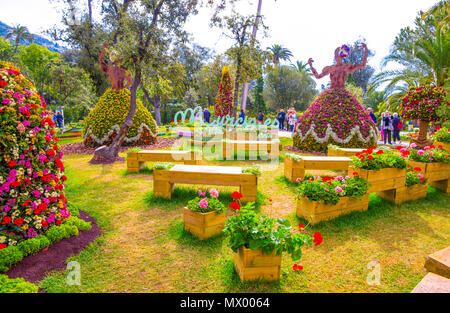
(438, 174)
(383, 179)
(255, 265)
(445, 146)
(315, 211)
(405, 193)
(293, 169)
(203, 225)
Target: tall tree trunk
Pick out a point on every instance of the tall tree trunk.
(255, 29)
(422, 140)
(157, 106)
(110, 154)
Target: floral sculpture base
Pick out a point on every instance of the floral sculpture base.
(383, 179)
(255, 265)
(315, 211)
(203, 225)
(405, 193)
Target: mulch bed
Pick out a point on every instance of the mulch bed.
(80, 148)
(34, 268)
(294, 149)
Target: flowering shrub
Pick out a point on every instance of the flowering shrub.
(32, 198)
(265, 233)
(330, 189)
(204, 204)
(422, 103)
(430, 154)
(335, 117)
(254, 169)
(414, 177)
(102, 124)
(442, 135)
(370, 160)
(224, 99)
(236, 203)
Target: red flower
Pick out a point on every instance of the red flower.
(270, 200)
(3, 83)
(44, 223)
(297, 267)
(417, 169)
(301, 225)
(12, 163)
(440, 146)
(15, 184)
(3, 246)
(64, 178)
(355, 174)
(235, 205)
(6, 220)
(317, 238)
(236, 195)
(51, 153)
(370, 158)
(58, 222)
(380, 152)
(399, 148)
(422, 180)
(18, 221)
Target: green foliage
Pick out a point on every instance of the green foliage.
(112, 109)
(295, 157)
(370, 160)
(442, 135)
(265, 233)
(330, 189)
(286, 87)
(258, 103)
(16, 285)
(134, 150)
(163, 166)
(10, 256)
(254, 169)
(430, 155)
(56, 234)
(414, 177)
(33, 245)
(78, 223)
(214, 205)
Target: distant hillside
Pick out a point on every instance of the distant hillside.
(54, 47)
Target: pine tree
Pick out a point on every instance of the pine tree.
(224, 99)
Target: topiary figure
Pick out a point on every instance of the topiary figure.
(224, 99)
(32, 197)
(422, 103)
(336, 117)
(102, 124)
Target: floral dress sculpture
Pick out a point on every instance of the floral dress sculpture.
(32, 198)
(336, 117)
(102, 124)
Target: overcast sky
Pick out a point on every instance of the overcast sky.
(308, 28)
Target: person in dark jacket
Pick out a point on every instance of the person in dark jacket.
(281, 117)
(59, 119)
(372, 116)
(395, 124)
(241, 117)
(206, 115)
(261, 117)
(387, 127)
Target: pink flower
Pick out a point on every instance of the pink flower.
(201, 193)
(420, 152)
(214, 193)
(203, 203)
(338, 189)
(299, 179)
(413, 145)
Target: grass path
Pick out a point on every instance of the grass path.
(144, 247)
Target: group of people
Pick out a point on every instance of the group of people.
(389, 126)
(290, 119)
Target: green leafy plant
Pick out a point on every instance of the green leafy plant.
(265, 233)
(414, 177)
(16, 285)
(442, 135)
(134, 150)
(331, 189)
(254, 169)
(163, 166)
(370, 160)
(430, 154)
(204, 204)
(294, 157)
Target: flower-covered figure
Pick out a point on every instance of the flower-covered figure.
(32, 197)
(103, 123)
(224, 99)
(336, 117)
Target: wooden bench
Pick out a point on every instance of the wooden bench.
(296, 169)
(164, 180)
(254, 147)
(136, 160)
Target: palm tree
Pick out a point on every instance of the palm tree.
(424, 53)
(302, 67)
(279, 53)
(18, 33)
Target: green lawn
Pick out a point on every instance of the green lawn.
(144, 247)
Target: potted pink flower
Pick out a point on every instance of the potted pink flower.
(204, 216)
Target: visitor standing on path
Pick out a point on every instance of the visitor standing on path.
(372, 116)
(241, 117)
(381, 126)
(206, 115)
(281, 117)
(59, 119)
(387, 127)
(261, 117)
(398, 126)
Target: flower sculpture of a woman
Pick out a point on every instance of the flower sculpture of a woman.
(336, 117)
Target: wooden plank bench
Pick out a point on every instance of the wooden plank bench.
(296, 169)
(272, 147)
(136, 160)
(164, 180)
